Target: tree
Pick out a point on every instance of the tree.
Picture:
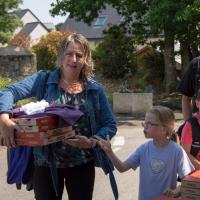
(114, 56)
(46, 49)
(21, 40)
(8, 19)
(144, 19)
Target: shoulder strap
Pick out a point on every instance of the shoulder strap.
(193, 121)
(102, 160)
(42, 87)
(195, 134)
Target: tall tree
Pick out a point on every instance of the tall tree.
(8, 20)
(144, 19)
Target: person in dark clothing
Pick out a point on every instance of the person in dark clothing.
(188, 87)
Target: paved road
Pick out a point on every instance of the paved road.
(130, 136)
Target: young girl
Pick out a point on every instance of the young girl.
(190, 137)
(160, 159)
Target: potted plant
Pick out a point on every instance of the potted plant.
(133, 99)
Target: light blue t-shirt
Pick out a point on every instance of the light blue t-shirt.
(159, 167)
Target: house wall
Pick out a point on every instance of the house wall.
(28, 18)
(37, 33)
(17, 66)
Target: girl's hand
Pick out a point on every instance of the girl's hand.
(173, 193)
(80, 142)
(104, 144)
(7, 128)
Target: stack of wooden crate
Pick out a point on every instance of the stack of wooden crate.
(40, 131)
(190, 186)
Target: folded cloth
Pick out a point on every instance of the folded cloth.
(68, 115)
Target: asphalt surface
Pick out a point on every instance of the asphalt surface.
(129, 137)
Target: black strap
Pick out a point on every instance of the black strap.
(113, 185)
(195, 135)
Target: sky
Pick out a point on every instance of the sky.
(41, 8)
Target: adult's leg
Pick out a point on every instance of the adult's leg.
(43, 185)
(79, 181)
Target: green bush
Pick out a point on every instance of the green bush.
(4, 81)
(114, 57)
(153, 69)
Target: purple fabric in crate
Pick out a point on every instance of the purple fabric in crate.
(68, 115)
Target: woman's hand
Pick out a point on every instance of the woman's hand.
(80, 142)
(7, 128)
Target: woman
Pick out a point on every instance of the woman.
(70, 84)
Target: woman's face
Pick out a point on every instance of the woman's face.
(74, 59)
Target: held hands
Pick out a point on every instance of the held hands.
(81, 142)
(7, 128)
(84, 142)
(104, 144)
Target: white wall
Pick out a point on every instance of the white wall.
(28, 18)
(37, 33)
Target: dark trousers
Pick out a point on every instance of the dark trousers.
(78, 180)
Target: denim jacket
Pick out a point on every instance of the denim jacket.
(101, 117)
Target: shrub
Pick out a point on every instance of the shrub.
(46, 49)
(4, 81)
(21, 40)
(152, 69)
(114, 57)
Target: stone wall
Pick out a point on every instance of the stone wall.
(16, 63)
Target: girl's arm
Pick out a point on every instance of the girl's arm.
(106, 146)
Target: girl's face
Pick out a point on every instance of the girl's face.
(152, 127)
(74, 59)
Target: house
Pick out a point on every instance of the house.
(94, 32)
(32, 26)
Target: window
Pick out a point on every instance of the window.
(100, 21)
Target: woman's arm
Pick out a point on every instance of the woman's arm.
(10, 95)
(21, 90)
